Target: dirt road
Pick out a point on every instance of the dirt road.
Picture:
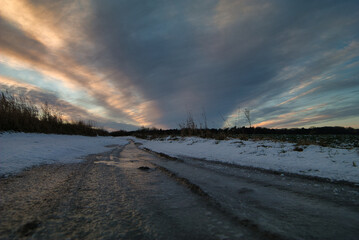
(128, 193)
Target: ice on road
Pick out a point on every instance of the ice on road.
(127, 193)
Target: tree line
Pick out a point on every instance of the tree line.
(20, 114)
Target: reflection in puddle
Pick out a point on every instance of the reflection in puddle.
(109, 163)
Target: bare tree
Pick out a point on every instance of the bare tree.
(204, 116)
(188, 127)
(237, 122)
(224, 120)
(190, 123)
(247, 112)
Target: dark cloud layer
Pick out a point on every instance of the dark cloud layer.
(179, 57)
(278, 58)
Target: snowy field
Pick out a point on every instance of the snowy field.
(22, 150)
(332, 163)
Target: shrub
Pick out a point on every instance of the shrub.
(298, 149)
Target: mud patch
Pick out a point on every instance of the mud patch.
(29, 228)
(144, 168)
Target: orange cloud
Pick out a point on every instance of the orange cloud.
(41, 23)
(310, 120)
(300, 87)
(47, 49)
(300, 95)
(283, 119)
(38, 96)
(9, 82)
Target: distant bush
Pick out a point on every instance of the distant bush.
(20, 114)
(323, 136)
(298, 149)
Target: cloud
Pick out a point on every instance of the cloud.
(11, 84)
(290, 117)
(68, 111)
(300, 95)
(149, 63)
(56, 55)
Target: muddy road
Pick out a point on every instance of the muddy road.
(128, 193)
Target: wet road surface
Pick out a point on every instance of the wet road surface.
(109, 197)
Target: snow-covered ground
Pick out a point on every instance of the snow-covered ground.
(22, 150)
(333, 163)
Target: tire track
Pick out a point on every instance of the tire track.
(288, 206)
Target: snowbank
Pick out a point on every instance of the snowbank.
(22, 150)
(336, 164)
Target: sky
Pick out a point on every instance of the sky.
(132, 63)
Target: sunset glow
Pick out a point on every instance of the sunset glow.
(125, 64)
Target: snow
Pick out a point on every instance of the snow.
(332, 163)
(22, 150)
